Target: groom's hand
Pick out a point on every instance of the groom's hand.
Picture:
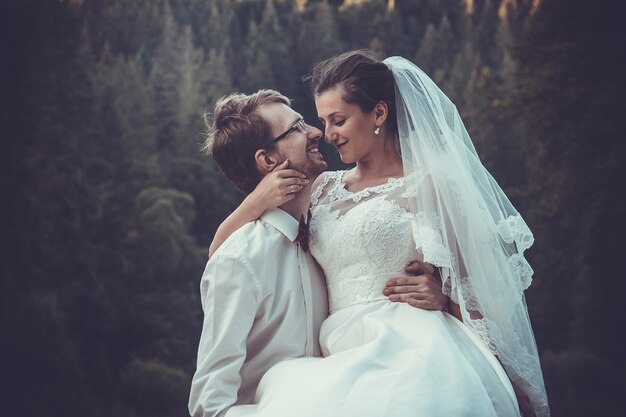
(421, 289)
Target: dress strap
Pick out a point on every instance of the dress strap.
(315, 197)
(336, 176)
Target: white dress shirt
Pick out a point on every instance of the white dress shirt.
(264, 300)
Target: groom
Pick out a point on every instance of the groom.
(263, 295)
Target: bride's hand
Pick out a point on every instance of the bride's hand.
(421, 289)
(276, 188)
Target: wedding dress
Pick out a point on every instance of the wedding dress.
(380, 358)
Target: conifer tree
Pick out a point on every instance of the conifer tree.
(165, 78)
(278, 48)
(319, 36)
(258, 71)
(427, 50)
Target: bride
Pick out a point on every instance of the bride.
(418, 191)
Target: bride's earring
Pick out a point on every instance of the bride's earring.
(377, 130)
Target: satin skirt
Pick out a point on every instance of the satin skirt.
(384, 359)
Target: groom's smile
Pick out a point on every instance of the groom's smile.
(295, 140)
(313, 149)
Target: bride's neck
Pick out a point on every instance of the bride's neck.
(379, 164)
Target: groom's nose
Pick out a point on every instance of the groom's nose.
(314, 133)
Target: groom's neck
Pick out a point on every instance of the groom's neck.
(299, 205)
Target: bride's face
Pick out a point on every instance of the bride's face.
(346, 127)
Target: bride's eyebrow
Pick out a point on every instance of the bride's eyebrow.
(333, 114)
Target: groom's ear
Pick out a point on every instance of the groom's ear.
(265, 162)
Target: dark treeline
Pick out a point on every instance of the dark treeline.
(108, 205)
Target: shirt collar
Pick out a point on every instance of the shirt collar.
(283, 222)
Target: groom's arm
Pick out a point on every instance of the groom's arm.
(230, 298)
(421, 289)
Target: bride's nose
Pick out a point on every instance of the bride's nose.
(329, 135)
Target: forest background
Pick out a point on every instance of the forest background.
(108, 206)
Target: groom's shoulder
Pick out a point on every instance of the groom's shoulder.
(252, 241)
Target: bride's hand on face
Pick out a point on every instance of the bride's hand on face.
(277, 187)
(421, 289)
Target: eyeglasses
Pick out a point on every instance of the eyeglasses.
(300, 126)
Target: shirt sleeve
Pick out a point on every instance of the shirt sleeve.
(231, 294)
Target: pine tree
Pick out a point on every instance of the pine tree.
(485, 29)
(426, 53)
(465, 62)
(436, 50)
(318, 25)
(164, 79)
(278, 49)
(447, 48)
(257, 71)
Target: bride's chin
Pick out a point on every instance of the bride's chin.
(346, 159)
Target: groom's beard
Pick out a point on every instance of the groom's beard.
(315, 170)
(311, 166)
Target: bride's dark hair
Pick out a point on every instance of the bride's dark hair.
(364, 80)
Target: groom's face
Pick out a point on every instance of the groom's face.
(300, 147)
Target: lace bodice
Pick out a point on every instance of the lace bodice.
(359, 234)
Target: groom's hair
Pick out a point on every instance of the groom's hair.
(237, 131)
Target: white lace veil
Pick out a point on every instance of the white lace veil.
(467, 226)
